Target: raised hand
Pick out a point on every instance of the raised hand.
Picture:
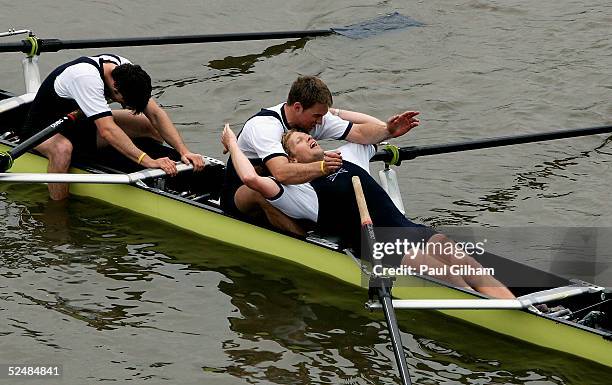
(398, 125)
(227, 137)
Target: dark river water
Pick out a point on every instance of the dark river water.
(116, 297)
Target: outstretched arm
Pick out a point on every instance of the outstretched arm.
(370, 130)
(114, 135)
(265, 186)
(161, 122)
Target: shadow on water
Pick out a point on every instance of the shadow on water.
(286, 325)
(244, 64)
(230, 66)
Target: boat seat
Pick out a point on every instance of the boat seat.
(330, 242)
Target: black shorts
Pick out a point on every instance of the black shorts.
(228, 204)
(231, 184)
(83, 135)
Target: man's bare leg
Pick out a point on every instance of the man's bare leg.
(484, 284)
(253, 204)
(58, 150)
(134, 126)
(419, 259)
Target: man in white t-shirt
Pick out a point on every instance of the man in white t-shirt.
(308, 108)
(329, 201)
(88, 84)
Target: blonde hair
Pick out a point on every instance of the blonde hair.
(285, 140)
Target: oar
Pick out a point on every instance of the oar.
(367, 28)
(382, 286)
(89, 178)
(7, 158)
(524, 302)
(411, 152)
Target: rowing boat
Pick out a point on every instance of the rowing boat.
(190, 201)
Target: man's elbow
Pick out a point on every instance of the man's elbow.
(251, 181)
(283, 177)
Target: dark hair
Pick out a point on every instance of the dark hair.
(134, 84)
(309, 90)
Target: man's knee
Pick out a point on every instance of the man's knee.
(58, 150)
(249, 201)
(439, 238)
(472, 262)
(253, 204)
(135, 126)
(440, 245)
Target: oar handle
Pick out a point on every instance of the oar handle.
(367, 227)
(364, 214)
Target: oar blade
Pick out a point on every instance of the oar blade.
(385, 23)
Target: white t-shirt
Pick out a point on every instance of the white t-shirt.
(82, 82)
(260, 137)
(300, 201)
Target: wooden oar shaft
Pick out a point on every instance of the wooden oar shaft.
(367, 227)
(383, 288)
(54, 45)
(412, 152)
(364, 214)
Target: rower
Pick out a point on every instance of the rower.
(325, 201)
(87, 83)
(308, 108)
